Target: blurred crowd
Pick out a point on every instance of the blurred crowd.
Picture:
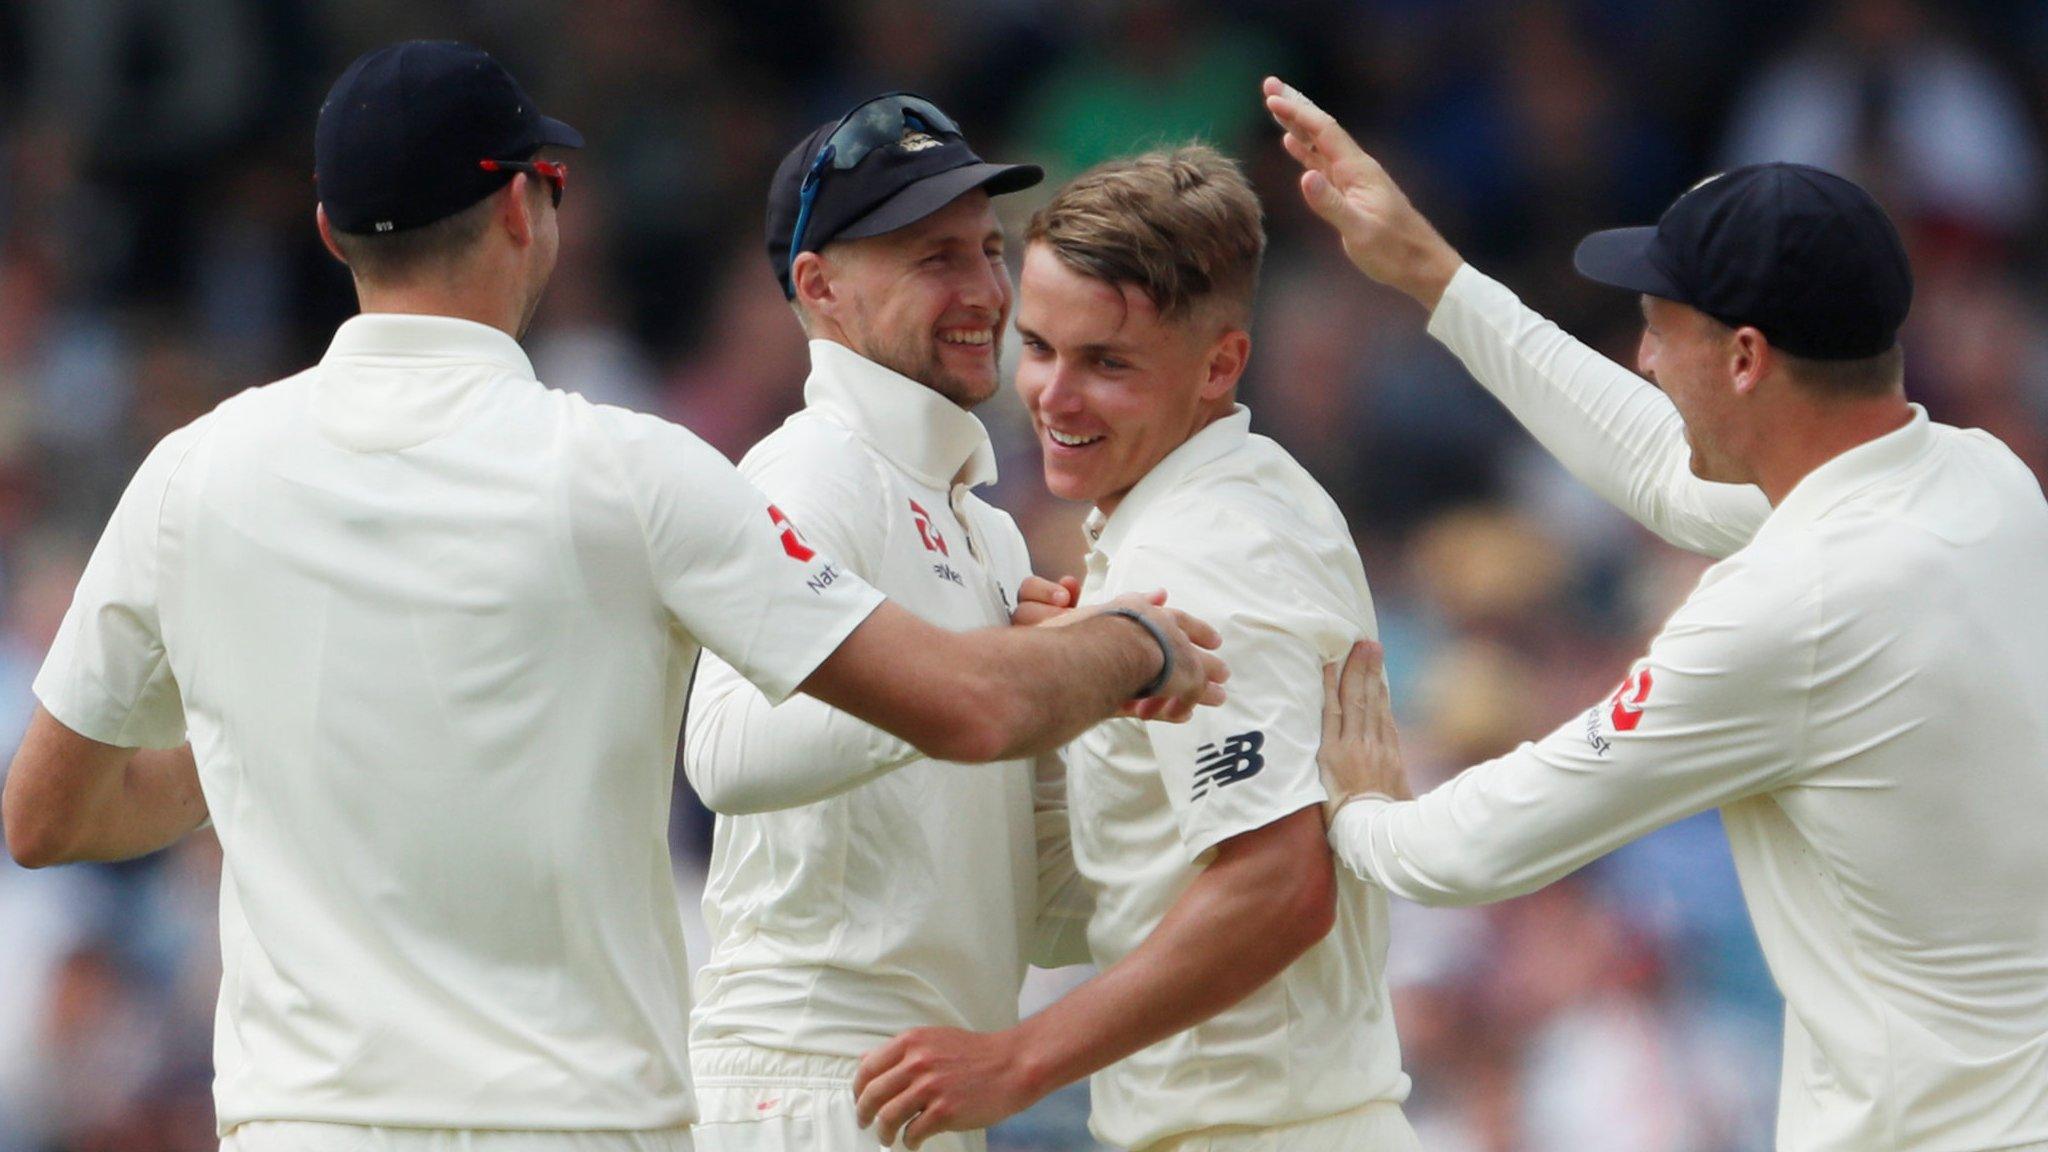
(157, 254)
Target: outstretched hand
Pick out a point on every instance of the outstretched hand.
(1382, 232)
(1361, 751)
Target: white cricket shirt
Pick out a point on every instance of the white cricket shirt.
(1241, 536)
(1863, 691)
(858, 889)
(429, 627)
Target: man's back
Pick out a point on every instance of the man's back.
(432, 624)
(1901, 882)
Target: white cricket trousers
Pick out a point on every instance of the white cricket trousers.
(1377, 1127)
(309, 1136)
(760, 1100)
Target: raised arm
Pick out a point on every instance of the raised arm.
(1609, 427)
(1714, 713)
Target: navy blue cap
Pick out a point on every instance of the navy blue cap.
(891, 187)
(402, 132)
(1801, 254)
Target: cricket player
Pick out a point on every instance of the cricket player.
(857, 888)
(417, 632)
(1241, 1003)
(1861, 685)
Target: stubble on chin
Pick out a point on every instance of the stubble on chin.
(924, 362)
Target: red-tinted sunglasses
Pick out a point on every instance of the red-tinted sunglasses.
(554, 172)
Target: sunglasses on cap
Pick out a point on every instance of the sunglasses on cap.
(876, 124)
(554, 172)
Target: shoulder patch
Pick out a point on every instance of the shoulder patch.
(1237, 758)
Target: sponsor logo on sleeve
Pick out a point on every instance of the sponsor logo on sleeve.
(1237, 758)
(1624, 711)
(792, 541)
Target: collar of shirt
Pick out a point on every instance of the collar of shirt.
(393, 335)
(1222, 437)
(914, 427)
(1845, 475)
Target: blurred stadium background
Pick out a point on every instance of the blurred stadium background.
(157, 254)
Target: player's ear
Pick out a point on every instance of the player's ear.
(515, 209)
(327, 233)
(811, 275)
(1749, 356)
(1227, 359)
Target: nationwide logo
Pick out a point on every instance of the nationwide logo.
(1237, 759)
(1626, 709)
(927, 531)
(792, 542)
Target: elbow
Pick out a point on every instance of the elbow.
(1311, 906)
(724, 792)
(722, 796)
(34, 844)
(1301, 907)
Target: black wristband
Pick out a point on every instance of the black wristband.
(1153, 685)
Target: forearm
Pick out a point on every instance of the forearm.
(993, 694)
(1612, 429)
(744, 755)
(1229, 933)
(160, 803)
(1064, 681)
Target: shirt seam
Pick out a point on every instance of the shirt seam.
(1859, 961)
(156, 560)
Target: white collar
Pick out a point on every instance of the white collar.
(386, 335)
(911, 425)
(1219, 438)
(1828, 485)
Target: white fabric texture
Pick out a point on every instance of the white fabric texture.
(857, 889)
(429, 627)
(755, 1100)
(1862, 690)
(1377, 1127)
(1241, 536)
(306, 1136)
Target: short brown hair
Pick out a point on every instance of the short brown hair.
(387, 257)
(1182, 225)
(1876, 375)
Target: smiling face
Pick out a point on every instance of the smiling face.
(927, 300)
(1688, 354)
(1113, 388)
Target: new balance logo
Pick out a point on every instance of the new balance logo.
(1236, 760)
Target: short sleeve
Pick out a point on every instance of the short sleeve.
(107, 676)
(1251, 761)
(826, 486)
(733, 569)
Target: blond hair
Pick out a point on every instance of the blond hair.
(1182, 225)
